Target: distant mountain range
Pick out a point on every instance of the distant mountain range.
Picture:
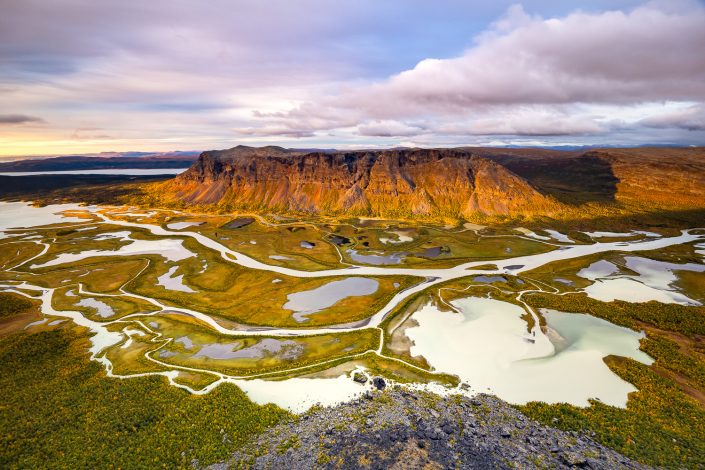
(102, 161)
(455, 183)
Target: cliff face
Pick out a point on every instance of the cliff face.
(413, 182)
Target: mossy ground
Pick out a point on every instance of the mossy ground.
(60, 411)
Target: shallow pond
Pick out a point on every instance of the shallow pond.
(488, 279)
(558, 236)
(171, 282)
(654, 281)
(401, 237)
(376, 259)
(338, 240)
(433, 252)
(21, 214)
(185, 341)
(115, 171)
(285, 349)
(598, 269)
(182, 225)
(487, 346)
(531, 234)
(102, 309)
(300, 394)
(311, 301)
(239, 223)
(281, 258)
(169, 248)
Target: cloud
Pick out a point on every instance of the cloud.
(531, 122)
(89, 133)
(691, 119)
(161, 74)
(388, 129)
(649, 54)
(273, 131)
(19, 119)
(611, 57)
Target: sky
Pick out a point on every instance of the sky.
(85, 76)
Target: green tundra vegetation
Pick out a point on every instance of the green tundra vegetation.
(661, 425)
(68, 298)
(688, 320)
(297, 351)
(12, 304)
(242, 295)
(664, 422)
(59, 407)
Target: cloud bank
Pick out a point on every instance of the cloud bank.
(531, 76)
(163, 75)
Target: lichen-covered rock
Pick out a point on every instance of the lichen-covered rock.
(396, 428)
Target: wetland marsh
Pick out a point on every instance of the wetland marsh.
(191, 298)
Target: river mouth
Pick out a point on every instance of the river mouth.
(159, 270)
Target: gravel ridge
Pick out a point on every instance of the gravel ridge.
(402, 429)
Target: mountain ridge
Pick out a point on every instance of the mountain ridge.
(386, 183)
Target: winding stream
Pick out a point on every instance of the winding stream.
(541, 346)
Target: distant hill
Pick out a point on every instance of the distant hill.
(652, 177)
(133, 160)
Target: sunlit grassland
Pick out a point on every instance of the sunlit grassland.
(692, 284)
(58, 407)
(250, 296)
(102, 275)
(16, 311)
(282, 241)
(460, 247)
(684, 253)
(13, 253)
(195, 380)
(668, 407)
(12, 304)
(308, 349)
(121, 306)
(664, 423)
(270, 240)
(364, 237)
(130, 359)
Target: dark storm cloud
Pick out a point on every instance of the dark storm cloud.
(18, 119)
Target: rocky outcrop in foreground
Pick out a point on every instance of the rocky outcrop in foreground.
(400, 429)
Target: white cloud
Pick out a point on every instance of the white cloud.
(388, 128)
(691, 119)
(529, 75)
(160, 74)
